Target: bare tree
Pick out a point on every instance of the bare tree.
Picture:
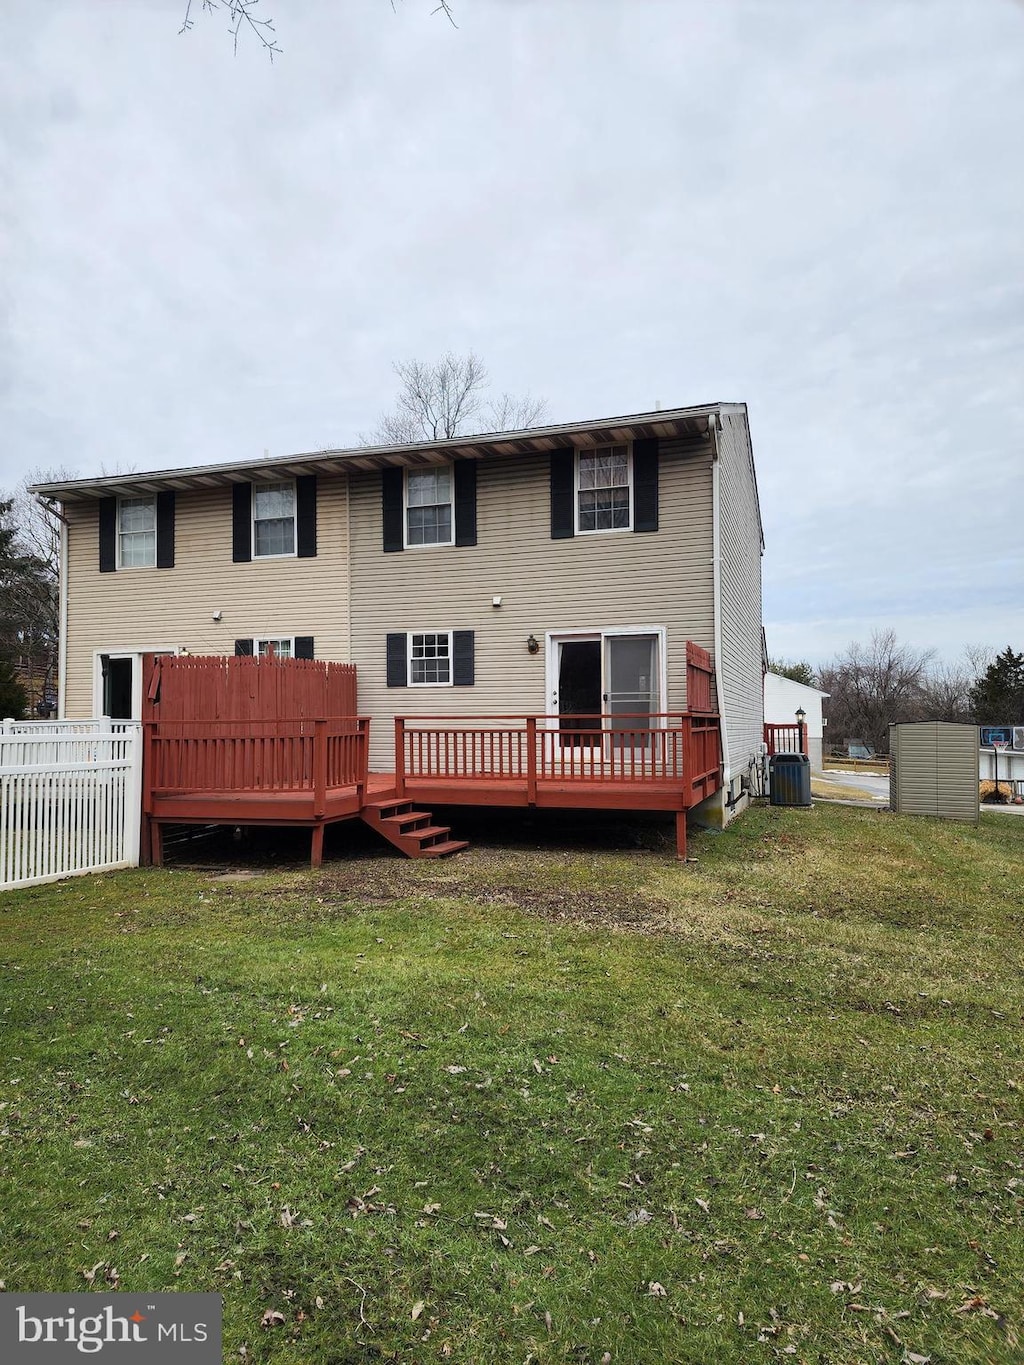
(873, 687)
(946, 693)
(446, 398)
(511, 413)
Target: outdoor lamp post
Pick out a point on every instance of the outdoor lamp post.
(801, 716)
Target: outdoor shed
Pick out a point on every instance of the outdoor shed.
(934, 770)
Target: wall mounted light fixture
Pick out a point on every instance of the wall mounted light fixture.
(495, 601)
(533, 644)
(217, 615)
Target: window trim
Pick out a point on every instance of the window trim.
(431, 544)
(262, 487)
(121, 566)
(409, 636)
(576, 490)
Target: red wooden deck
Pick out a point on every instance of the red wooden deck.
(314, 772)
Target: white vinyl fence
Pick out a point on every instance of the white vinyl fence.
(70, 798)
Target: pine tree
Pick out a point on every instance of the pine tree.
(997, 697)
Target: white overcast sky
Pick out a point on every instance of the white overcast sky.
(814, 208)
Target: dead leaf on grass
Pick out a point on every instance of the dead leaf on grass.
(272, 1318)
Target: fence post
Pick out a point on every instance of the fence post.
(132, 793)
(399, 755)
(531, 760)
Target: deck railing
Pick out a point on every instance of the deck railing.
(670, 748)
(255, 756)
(786, 739)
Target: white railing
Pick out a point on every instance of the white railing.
(70, 799)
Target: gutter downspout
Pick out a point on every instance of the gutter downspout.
(716, 564)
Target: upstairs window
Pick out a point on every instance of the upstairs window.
(136, 533)
(430, 660)
(429, 506)
(273, 520)
(603, 489)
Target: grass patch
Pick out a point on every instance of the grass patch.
(535, 1103)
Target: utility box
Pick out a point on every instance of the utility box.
(934, 769)
(789, 780)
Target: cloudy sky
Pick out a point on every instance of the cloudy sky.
(817, 209)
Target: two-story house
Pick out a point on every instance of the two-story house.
(557, 572)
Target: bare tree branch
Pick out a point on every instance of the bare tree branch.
(444, 399)
(511, 413)
(239, 13)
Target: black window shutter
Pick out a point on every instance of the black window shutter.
(241, 522)
(165, 530)
(108, 535)
(304, 647)
(645, 485)
(305, 516)
(392, 487)
(398, 666)
(465, 502)
(462, 658)
(243, 647)
(562, 493)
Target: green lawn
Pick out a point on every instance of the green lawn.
(537, 1104)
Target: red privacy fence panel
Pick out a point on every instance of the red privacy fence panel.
(700, 687)
(215, 687)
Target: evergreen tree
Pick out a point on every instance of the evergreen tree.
(997, 697)
(798, 670)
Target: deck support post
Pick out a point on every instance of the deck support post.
(681, 835)
(156, 843)
(316, 852)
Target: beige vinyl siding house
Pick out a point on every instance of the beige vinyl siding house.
(549, 589)
(131, 611)
(557, 572)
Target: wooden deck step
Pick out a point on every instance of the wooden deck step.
(411, 830)
(442, 850)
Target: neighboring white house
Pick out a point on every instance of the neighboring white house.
(783, 698)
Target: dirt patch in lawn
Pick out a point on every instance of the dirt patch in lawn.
(518, 882)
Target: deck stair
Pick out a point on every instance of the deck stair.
(411, 830)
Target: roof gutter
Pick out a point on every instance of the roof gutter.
(716, 566)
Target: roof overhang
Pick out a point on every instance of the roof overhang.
(686, 423)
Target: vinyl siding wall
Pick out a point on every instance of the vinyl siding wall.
(661, 578)
(934, 770)
(740, 580)
(135, 609)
